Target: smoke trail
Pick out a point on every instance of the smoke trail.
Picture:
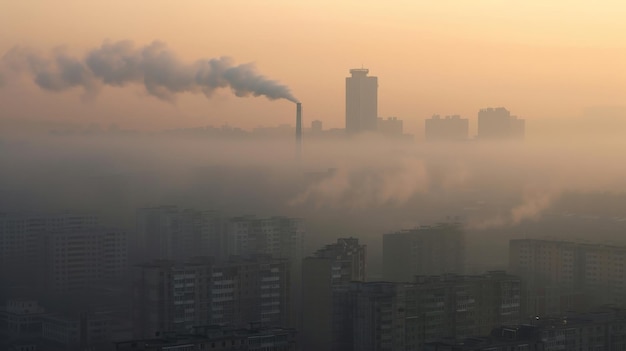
(154, 66)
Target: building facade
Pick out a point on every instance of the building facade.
(450, 128)
(361, 102)
(560, 276)
(499, 124)
(425, 250)
(175, 296)
(326, 277)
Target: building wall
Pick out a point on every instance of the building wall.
(361, 102)
(423, 251)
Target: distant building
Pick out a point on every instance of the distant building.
(326, 276)
(316, 126)
(405, 316)
(60, 253)
(391, 126)
(450, 128)
(80, 259)
(281, 237)
(425, 250)
(168, 232)
(217, 338)
(175, 296)
(498, 124)
(560, 276)
(361, 102)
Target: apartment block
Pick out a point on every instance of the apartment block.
(175, 296)
(427, 250)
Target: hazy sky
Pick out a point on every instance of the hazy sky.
(538, 58)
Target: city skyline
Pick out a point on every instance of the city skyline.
(479, 68)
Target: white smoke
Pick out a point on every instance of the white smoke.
(154, 66)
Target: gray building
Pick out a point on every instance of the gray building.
(560, 276)
(499, 124)
(326, 276)
(361, 102)
(426, 250)
(450, 128)
(175, 296)
(405, 316)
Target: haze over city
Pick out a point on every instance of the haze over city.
(282, 175)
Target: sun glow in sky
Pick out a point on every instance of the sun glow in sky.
(539, 59)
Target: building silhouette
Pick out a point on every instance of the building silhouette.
(391, 126)
(325, 279)
(426, 250)
(450, 128)
(361, 102)
(176, 296)
(559, 275)
(405, 316)
(499, 124)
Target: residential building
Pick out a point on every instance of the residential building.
(217, 338)
(426, 250)
(168, 232)
(450, 128)
(499, 124)
(560, 276)
(391, 126)
(326, 276)
(175, 296)
(361, 102)
(405, 316)
(60, 253)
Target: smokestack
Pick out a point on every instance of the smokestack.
(298, 129)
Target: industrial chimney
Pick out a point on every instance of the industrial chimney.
(298, 129)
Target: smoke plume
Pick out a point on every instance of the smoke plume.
(154, 66)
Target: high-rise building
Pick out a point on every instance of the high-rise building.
(392, 126)
(450, 128)
(280, 237)
(61, 253)
(405, 316)
(425, 250)
(316, 127)
(361, 102)
(325, 278)
(559, 276)
(498, 123)
(175, 296)
(168, 232)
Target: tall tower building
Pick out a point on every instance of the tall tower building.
(361, 102)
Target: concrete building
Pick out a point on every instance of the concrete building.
(405, 316)
(361, 102)
(20, 318)
(316, 127)
(81, 259)
(168, 232)
(326, 276)
(425, 250)
(280, 237)
(450, 128)
(499, 124)
(392, 127)
(175, 296)
(217, 338)
(560, 276)
(60, 253)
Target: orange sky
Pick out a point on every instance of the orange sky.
(537, 58)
